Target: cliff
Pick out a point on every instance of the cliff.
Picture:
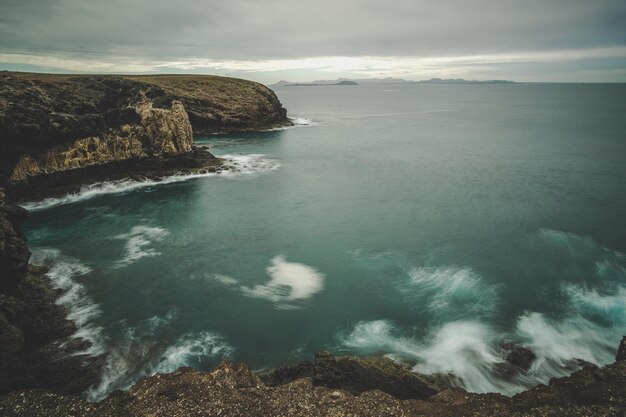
(222, 104)
(234, 390)
(59, 131)
(35, 345)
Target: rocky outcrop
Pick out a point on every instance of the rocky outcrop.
(234, 390)
(57, 131)
(621, 351)
(357, 375)
(35, 348)
(222, 104)
(53, 124)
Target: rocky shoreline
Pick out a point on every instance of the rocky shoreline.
(58, 133)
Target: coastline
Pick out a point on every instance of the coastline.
(342, 386)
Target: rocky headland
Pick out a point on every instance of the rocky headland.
(58, 132)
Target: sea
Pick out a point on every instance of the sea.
(432, 224)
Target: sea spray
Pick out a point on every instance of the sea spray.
(63, 272)
(236, 165)
(148, 348)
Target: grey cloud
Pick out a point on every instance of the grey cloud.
(276, 29)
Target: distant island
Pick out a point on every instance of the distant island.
(315, 83)
(387, 81)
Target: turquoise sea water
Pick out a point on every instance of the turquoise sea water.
(428, 223)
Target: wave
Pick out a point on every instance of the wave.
(144, 352)
(191, 350)
(138, 242)
(235, 164)
(289, 284)
(583, 324)
(250, 164)
(296, 122)
(449, 291)
(82, 310)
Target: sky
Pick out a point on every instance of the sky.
(305, 40)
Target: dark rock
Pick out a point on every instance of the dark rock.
(621, 350)
(288, 373)
(33, 328)
(14, 253)
(518, 356)
(356, 375)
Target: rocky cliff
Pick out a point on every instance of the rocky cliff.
(57, 131)
(35, 345)
(234, 390)
(222, 104)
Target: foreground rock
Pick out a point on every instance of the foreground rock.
(234, 390)
(35, 345)
(357, 375)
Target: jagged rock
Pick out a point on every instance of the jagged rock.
(356, 375)
(32, 326)
(621, 351)
(14, 253)
(288, 373)
(234, 390)
(220, 104)
(58, 132)
(519, 356)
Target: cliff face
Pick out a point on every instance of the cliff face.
(35, 349)
(54, 125)
(221, 104)
(51, 124)
(234, 390)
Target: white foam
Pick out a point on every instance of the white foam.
(451, 291)
(143, 353)
(109, 187)
(589, 329)
(81, 308)
(139, 241)
(289, 283)
(235, 165)
(250, 164)
(295, 122)
(191, 349)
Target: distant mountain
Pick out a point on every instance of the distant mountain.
(314, 83)
(388, 81)
(462, 81)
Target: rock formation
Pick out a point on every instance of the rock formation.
(234, 390)
(58, 131)
(35, 348)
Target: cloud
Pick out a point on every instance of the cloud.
(279, 35)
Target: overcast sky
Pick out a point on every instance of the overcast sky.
(268, 40)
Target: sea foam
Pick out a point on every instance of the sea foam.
(139, 242)
(145, 350)
(585, 322)
(63, 271)
(289, 283)
(236, 165)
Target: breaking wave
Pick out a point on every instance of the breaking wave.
(451, 292)
(238, 165)
(235, 164)
(139, 241)
(145, 352)
(295, 122)
(584, 324)
(82, 310)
